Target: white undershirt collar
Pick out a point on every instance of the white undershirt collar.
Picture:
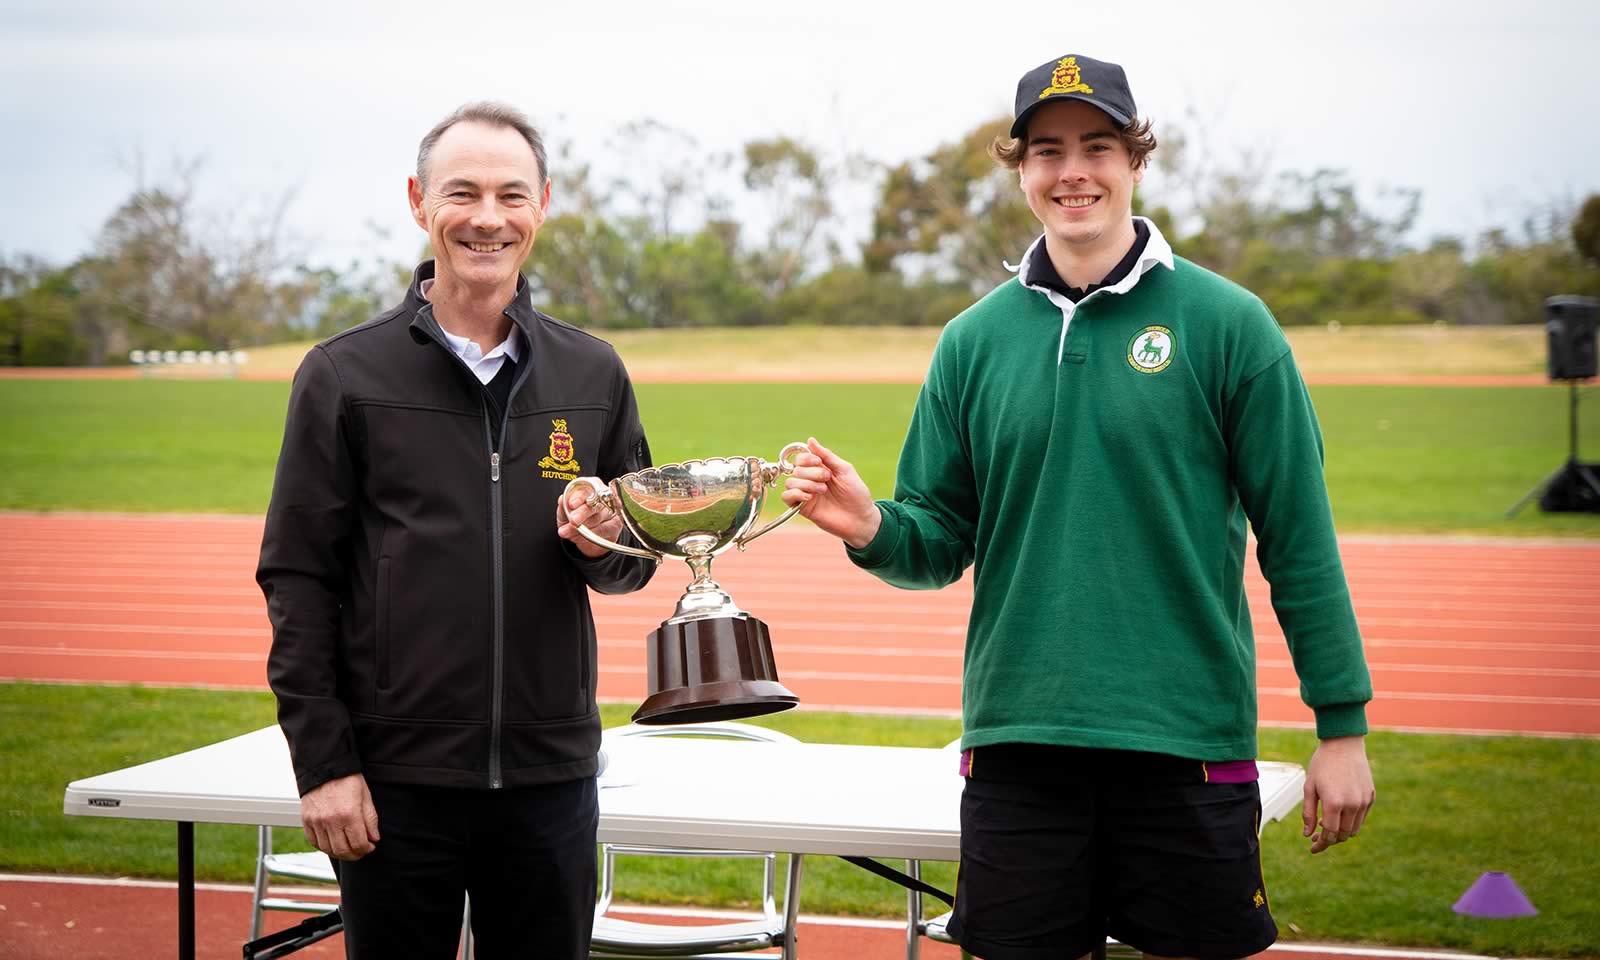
(1156, 251)
(483, 365)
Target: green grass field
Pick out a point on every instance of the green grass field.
(1433, 459)
(1448, 809)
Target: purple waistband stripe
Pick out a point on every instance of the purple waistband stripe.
(966, 763)
(1231, 771)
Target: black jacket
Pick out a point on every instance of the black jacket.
(428, 624)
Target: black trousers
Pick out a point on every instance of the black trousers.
(526, 856)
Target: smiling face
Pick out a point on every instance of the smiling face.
(1078, 178)
(482, 205)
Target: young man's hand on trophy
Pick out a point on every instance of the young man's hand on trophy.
(573, 508)
(832, 495)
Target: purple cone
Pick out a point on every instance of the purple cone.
(1496, 895)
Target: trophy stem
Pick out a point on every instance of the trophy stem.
(704, 597)
(700, 566)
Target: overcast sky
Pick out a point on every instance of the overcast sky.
(1491, 109)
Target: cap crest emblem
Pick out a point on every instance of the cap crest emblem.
(1066, 79)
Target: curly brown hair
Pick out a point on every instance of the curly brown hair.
(1137, 137)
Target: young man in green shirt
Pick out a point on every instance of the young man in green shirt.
(1094, 437)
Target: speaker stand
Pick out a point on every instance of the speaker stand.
(1574, 487)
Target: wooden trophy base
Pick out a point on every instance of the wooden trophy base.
(712, 669)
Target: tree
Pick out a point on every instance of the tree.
(849, 295)
(597, 267)
(1586, 230)
(160, 277)
(797, 188)
(957, 210)
(39, 315)
(677, 186)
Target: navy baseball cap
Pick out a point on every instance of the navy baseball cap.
(1074, 77)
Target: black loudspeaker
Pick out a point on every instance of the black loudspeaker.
(1570, 324)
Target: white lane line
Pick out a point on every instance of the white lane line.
(786, 647)
(82, 588)
(162, 684)
(142, 572)
(1491, 606)
(187, 655)
(1506, 626)
(262, 632)
(939, 680)
(235, 610)
(1430, 697)
(833, 626)
(1517, 645)
(1454, 669)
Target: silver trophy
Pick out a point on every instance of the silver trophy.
(710, 660)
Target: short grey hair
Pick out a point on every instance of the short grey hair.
(489, 113)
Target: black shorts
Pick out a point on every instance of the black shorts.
(1062, 847)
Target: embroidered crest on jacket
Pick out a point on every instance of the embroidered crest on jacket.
(562, 463)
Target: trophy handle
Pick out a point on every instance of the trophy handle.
(601, 496)
(770, 472)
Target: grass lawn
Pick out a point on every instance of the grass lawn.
(1449, 808)
(1443, 459)
(1435, 459)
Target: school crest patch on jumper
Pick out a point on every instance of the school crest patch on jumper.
(561, 463)
(1150, 350)
(1066, 79)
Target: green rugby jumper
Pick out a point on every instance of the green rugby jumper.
(1098, 464)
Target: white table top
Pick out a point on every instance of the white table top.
(896, 802)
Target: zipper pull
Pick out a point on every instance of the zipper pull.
(494, 467)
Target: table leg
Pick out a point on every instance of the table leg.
(791, 906)
(185, 891)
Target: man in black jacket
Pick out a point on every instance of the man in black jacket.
(433, 649)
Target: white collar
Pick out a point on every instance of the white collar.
(1156, 250)
(469, 350)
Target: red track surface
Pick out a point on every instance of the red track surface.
(1463, 636)
(56, 921)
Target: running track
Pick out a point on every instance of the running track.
(1463, 636)
(70, 918)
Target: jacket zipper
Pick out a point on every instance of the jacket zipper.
(495, 501)
(498, 551)
(496, 537)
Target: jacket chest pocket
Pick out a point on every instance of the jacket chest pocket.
(424, 462)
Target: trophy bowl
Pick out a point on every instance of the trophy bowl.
(710, 660)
